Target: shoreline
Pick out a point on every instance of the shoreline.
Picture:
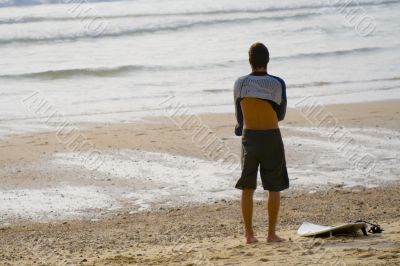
(339, 109)
(350, 115)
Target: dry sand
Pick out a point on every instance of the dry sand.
(200, 234)
(212, 235)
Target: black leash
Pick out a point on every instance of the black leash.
(374, 228)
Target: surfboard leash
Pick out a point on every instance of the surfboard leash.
(374, 228)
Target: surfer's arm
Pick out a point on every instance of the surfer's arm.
(238, 108)
(281, 108)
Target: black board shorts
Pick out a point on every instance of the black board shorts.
(264, 149)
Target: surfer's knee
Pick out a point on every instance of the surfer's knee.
(274, 193)
(248, 191)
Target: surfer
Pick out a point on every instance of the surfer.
(260, 102)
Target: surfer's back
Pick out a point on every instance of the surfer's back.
(258, 114)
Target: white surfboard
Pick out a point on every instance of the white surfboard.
(310, 229)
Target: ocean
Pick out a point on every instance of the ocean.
(116, 61)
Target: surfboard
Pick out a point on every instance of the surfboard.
(310, 229)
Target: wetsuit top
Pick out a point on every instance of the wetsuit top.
(262, 86)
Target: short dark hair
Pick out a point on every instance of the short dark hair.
(258, 55)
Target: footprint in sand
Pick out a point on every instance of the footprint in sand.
(366, 255)
(219, 258)
(282, 250)
(308, 252)
(269, 253)
(388, 256)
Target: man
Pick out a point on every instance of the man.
(260, 102)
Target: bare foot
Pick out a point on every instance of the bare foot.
(274, 239)
(251, 239)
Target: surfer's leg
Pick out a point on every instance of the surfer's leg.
(274, 201)
(247, 212)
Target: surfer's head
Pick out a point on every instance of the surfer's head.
(258, 56)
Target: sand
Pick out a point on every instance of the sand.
(106, 228)
(212, 235)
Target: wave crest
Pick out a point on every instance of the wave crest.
(93, 72)
(124, 69)
(152, 29)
